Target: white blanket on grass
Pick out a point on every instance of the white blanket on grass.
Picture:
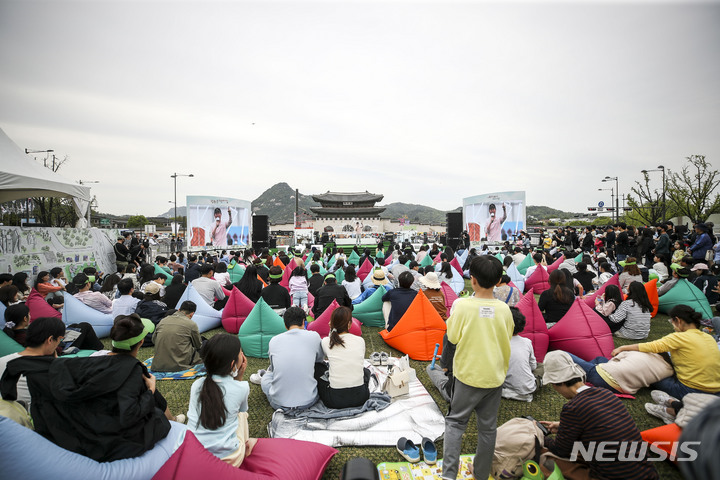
(413, 416)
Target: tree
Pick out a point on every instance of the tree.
(692, 190)
(137, 221)
(646, 204)
(54, 211)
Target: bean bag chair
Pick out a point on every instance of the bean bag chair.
(287, 273)
(353, 258)
(457, 282)
(500, 257)
(162, 272)
(8, 345)
(365, 268)
(271, 459)
(278, 263)
(462, 258)
(339, 276)
(438, 258)
(525, 264)
(535, 328)
(27, 455)
(258, 328)
(388, 261)
(38, 306)
(323, 272)
(685, 293)
(2, 315)
(369, 312)
(330, 263)
(664, 437)
(450, 296)
(578, 259)
(590, 299)
(582, 332)
(538, 281)
(76, 311)
(321, 325)
(417, 332)
(651, 289)
(426, 261)
(205, 316)
(236, 271)
(236, 310)
(517, 279)
(554, 266)
(456, 265)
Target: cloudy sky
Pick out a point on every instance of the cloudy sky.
(424, 102)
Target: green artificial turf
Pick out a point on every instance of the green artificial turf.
(545, 406)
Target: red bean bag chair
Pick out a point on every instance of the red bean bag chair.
(535, 327)
(450, 296)
(419, 329)
(590, 299)
(663, 437)
(236, 310)
(226, 291)
(39, 307)
(287, 273)
(272, 458)
(364, 270)
(554, 266)
(321, 325)
(582, 332)
(651, 289)
(388, 261)
(437, 258)
(538, 281)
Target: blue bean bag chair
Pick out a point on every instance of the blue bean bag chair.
(258, 328)
(517, 279)
(2, 315)
(76, 311)
(27, 455)
(685, 293)
(205, 316)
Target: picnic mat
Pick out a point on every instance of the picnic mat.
(421, 471)
(414, 416)
(196, 371)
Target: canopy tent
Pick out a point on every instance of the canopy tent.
(22, 177)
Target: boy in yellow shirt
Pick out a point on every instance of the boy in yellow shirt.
(481, 328)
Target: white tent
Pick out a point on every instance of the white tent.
(22, 177)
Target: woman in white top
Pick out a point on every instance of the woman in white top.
(631, 273)
(344, 382)
(352, 283)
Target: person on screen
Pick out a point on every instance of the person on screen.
(493, 229)
(218, 235)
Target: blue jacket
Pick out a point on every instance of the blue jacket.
(702, 244)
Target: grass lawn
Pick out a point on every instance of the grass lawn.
(545, 406)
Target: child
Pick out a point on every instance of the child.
(480, 327)
(506, 293)
(660, 267)
(585, 277)
(299, 288)
(606, 303)
(352, 283)
(219, 402)
(520, 382)
(221, 275)
(678, 253)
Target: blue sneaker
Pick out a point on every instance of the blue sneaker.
(429, 451)
(408, 450)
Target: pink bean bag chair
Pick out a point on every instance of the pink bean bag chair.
(365, 269)
(450, 296)
(535, 327)
(322, 324)
(554, 266)
(456, 265)
(590, 299)
(582, 332)
(236, 310)
(538, 281)
(39, 307)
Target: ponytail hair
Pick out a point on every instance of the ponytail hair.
(218, 355)
(339, 323)
(638, 294)
(686, 314)
(560, 292)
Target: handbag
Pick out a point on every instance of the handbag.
(398, 380)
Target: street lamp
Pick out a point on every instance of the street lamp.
(38, 151)
(660, 168)
(174, 177)
(612, 194)
(617, 195)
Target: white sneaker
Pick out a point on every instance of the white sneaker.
(256, 378)
(662, 398)
(660, 412)
(180, 418)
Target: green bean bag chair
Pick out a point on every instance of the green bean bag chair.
(159, 270)
(354, 258)
(525, 264)
(426, 261)
(685, 293)
(236, 271)
(258, 328)
(8, 345)
(369, 312)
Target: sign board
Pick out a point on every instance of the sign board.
(601, 204)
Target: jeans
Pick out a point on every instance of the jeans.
(592, 375)
(300, 299)
(675, 388)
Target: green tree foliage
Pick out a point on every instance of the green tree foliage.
(692, 190)
(137, 221)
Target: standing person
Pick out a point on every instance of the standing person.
(218, 234)
(622, 242)
(481, 328)
(702, 243)
(493, 227)
(122, 254)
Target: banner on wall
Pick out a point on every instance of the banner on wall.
(494, 217)
(218, 222)
(32, 250)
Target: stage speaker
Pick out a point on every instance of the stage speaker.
(454, 224)
(260, 231)
(443, 239)
(272, 243)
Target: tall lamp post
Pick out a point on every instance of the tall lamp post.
(617, 195)
(174, 177)
(660, 168)
(612, 193)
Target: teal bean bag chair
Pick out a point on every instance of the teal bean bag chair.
(369, 312)
(236, 271)
(525, 264)
(685, 293)
(426, 261)
(258, 328)
(354, 258)
(159, 270)
(8, 345)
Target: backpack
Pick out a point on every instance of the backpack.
(518, 440)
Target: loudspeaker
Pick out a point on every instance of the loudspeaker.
(454, 224)
(260, 231)
(325, 238)
(443, 239)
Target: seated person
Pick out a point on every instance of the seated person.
(660, 267)
(108, 408)
(329, 292)
(568, 262)
(631, 320)
(377, 279)
(506, 293)
(606, 273)
(400, 298)
(275, 294)
(316, 279)
(250, 284)
(17, 319)
(678, 273)
(125, 304)
(289, 381)
(177, 341)
(174, 291)
(631, 273)
(539, 260)
(95, 300)
(591, 414)
(706, 282)
(585, 277)
(45, 287)
(209, 288)
(555, 302)
(433, 291)
(343, 381)
(520, 382)
(219, 401)
(151, 307)
(157, 278)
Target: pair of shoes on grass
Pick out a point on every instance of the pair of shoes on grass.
(379, 358)
(659, 408)
(411, 452)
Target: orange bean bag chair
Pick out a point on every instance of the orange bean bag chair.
(322, 324)
(538, 281)
(535, 327)
(417, 332)
(590, 299)
(663, 437)
(651, 289)
(236, 310)
(278, 263)
(582, 332)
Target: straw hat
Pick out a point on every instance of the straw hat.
(378, 277)
(430, 280)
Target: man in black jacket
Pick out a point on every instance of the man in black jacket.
(122, 254)
(193, 269)
(331, 291)
(316, 279)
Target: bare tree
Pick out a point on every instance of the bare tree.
(692, 190)
(646, 203)
(54, 211)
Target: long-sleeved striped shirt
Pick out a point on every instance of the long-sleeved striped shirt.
(596, 415)
(637, 322)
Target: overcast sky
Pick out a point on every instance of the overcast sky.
(423, 102)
